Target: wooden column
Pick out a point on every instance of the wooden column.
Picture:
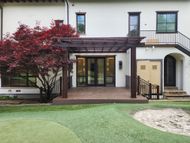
(64, 78)
(133, 72)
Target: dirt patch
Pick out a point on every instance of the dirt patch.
(170, 120)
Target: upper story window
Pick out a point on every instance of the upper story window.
(81, 23)
(166, 22)
(134, 23)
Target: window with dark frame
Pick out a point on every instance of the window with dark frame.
(17, 78)
(134, 23)
(81, 23)
(166, 22)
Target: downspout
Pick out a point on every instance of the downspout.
(67, 7)
(1, 27)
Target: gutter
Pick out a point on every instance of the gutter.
(1, 18)
(67, 7)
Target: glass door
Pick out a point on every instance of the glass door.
(110, 71)
(81, 71)
(96, 71)
(92, 68)
(100, 71)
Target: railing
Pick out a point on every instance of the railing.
(152, 37)
(149, 90)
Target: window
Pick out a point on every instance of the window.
(17, 78)
(81, 23)
(167, 22)
(134, 23)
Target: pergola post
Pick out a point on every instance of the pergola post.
(133, 72)
(64, 78)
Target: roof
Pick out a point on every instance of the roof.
(100, 44)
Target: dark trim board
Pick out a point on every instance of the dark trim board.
(97, 101)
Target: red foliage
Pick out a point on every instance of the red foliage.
(34, 49)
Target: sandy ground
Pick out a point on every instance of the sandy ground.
(169, 120)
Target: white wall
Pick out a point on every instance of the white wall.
(30, 13)
(110, 18)
(161, 53)
(105, 19)
(119, 74)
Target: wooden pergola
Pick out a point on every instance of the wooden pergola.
(101, 45)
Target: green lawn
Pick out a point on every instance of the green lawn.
(107, 123)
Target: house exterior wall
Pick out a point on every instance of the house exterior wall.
(119, 73)
(30, 14)
(107, 19)
(160, 53)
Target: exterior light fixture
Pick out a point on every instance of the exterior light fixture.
(120, 65)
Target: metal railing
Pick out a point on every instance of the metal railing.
(147, 89)
(152, 37)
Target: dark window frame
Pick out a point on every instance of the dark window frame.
(7, 78)
(81, 14)
(106, 84)
(167, 12)
(134, 14)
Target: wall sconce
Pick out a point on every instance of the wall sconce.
(120, 65)
(58, 23)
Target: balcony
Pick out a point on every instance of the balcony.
(178, 40)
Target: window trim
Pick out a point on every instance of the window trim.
(167, 12)
(10, 76)
(136, 14)
(81, 13)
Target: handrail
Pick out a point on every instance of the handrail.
(184, 35)
(147, 89)
(152, 37)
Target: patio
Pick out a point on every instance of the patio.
(87, 95)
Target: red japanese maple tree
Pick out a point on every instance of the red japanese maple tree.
(35, 50)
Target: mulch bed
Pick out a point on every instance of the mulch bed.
(19, 101)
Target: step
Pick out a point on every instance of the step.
(176, 95)
(187, 97)
(170, 87)
(175, 92)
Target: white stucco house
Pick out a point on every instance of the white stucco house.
(163, 58)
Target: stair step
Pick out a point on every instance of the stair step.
(170, 87)
(175, 92)
(179, 97)
(176, 95)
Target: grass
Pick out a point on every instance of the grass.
(110, 123)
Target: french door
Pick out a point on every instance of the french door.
(95, 71)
